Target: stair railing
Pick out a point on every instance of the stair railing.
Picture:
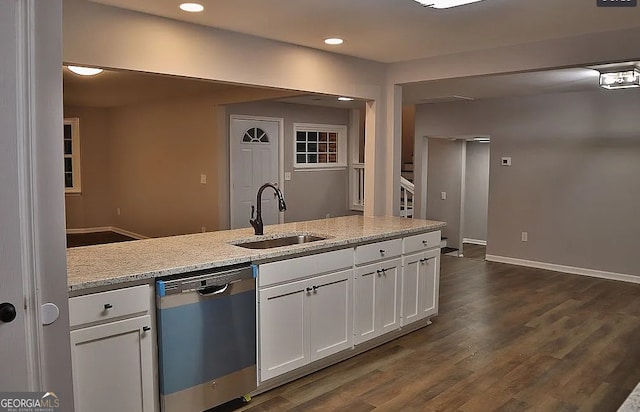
(407, 191)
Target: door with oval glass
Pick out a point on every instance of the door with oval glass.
(254, 160)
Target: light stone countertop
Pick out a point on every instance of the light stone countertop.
(114, 264)
(632, 403)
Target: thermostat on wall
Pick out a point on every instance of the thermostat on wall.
(506, 161)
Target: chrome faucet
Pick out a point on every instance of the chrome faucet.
(257, 224)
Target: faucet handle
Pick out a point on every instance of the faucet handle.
(253, 210)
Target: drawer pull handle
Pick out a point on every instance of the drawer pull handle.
(309, 290)
(315, 288)
(108, 306)
(146, 328)
(382, 251)
(425, 242)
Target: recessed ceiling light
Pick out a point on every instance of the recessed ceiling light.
(191, 7)
(333, 41)
(84, 71)
(445, 4)
(345, 99)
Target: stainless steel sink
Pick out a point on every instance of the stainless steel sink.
(280, 241)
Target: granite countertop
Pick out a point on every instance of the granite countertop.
(117, 263)
(632, 403)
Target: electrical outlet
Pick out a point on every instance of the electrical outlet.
(525, 236)
(506, 161)
(443, 195)
(203, 179)
(118, 211)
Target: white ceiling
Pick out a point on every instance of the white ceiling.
(399, 30)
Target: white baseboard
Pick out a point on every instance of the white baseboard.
(565, 269)
(474, 241)
(84, 230)
(124, 232)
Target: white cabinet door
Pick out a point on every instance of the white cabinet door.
(411, 289)
(284, 339)
(377, 299)
(366, 279)
(112, 366)
(330, 314)
(388, 296)
(429, 283)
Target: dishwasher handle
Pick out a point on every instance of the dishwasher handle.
(213, 290)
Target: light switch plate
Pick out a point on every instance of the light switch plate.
(443, 195)
(203, 179)
(287, 175)
(506, 161)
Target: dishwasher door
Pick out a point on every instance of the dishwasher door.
(206, 339)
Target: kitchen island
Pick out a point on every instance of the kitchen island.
(354, 284)
(116, 264)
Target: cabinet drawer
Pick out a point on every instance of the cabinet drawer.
(102, 306)
(421, 242)
(305, 266)
(377, 251)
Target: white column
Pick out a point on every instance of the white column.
(393, 154)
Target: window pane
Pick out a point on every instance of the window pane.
(333, 137)
(301, 136)
(322, 158)
(313, 158)
(333, 147)
(67, 131)
(313, 136)
(333, 158)
(301, 147)
(68, 180)
(323, 136)
(68, 165)
(301, 158)
(313, 147)
(322, 147)
(67, 147)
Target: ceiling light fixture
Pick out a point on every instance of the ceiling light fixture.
(622, 79)
(345, 99)
(84, 71)
(445, 4)
(334, 41)
(481, 139)
(192, 7)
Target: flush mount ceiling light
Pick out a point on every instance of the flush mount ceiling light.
(622, 79)
(192, 7)
(333, 41)
(84, 71)
(445, 4)
(345, 99)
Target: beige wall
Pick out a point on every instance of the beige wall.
(573, 185)
(93, 207)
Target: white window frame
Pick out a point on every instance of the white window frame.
(342, 157)
(74, 122)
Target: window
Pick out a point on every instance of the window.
(320, 146)
(255, 135)
(71, 136)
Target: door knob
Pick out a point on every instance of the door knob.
(7, 312)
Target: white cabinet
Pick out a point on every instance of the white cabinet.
(377, 299)
(112, 351)
(420, 279)
(303, 321)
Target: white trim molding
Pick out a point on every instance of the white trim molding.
(474, 241)
(124, 232)
(565, 269)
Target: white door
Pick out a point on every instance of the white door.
(254, 161)
(13, 356)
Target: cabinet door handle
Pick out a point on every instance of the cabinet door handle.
(379, 272)
(384, 271)
(382, 251)
(425, 242)
(107, 306)
(315, 288)
(309, 290)
(146, 328)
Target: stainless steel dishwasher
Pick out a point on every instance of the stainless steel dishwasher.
(206, 338)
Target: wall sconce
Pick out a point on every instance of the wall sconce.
(621, 79)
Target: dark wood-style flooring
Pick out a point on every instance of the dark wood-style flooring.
(471, 251)
(95, 238)
(507, 338)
